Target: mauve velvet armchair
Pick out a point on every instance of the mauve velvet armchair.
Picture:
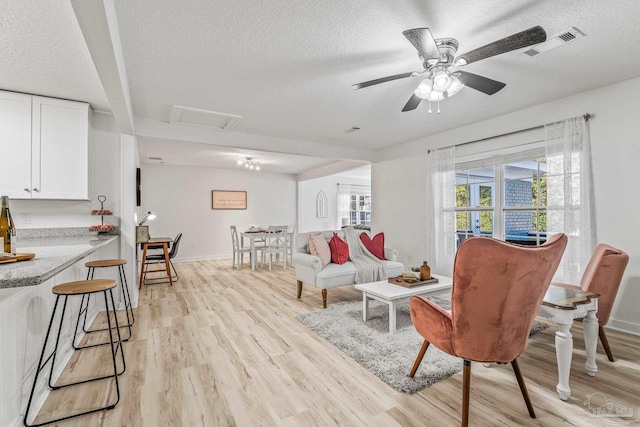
(497, 290)
(603, 276)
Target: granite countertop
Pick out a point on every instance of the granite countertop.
(53, 254)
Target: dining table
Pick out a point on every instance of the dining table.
(258, 236)
(562, 306)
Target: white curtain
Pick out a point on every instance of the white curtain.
(570, 194)
(441, 215)
(342, 204)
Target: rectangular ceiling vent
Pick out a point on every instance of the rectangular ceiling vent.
(556, 41)
(204, 118)
(159, 159)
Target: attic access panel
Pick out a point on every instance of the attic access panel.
(204, 118)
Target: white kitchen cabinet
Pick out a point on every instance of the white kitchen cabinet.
(15, 145)
(49, 160)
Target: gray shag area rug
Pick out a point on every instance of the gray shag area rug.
(389, 357)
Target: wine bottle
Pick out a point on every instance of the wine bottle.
(7, 228)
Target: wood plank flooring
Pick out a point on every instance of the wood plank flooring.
(223, 348)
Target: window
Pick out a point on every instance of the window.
(360, 209)
(354, 205)
(504, 197)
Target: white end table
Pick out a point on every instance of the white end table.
(391, 295)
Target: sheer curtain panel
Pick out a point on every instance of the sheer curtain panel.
(342, 204)
(441, 215)
(570, 193)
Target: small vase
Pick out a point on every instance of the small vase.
(425, 271)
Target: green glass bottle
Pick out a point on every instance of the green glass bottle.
(7, 228)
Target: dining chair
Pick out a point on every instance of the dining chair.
(497, 290)
(239, 251)
(157, 258)
(276, 244)
(603, 275)
(291, 239)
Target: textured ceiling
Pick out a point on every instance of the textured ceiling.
(287, 66)
(43, 52)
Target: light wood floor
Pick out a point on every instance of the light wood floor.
(223, 348)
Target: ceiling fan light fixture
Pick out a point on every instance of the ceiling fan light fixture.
(441, 81)
(455, 87)
(424, 89)
(435, 96)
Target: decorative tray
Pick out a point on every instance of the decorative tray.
(16, 258)
(410, 283)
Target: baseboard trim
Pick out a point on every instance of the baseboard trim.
(622, 326)
(203, 258)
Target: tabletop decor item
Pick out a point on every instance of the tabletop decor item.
(425, 271)
(409, 281)
(102, 228)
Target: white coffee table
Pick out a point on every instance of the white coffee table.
(390, 294)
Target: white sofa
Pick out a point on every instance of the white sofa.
(309, 267)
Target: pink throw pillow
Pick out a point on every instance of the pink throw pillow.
(339, 250)
(320, 248)
(375, 245)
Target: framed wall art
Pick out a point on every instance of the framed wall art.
(222, 199)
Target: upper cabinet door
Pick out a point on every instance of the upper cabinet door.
(15, 145)
(60, 149)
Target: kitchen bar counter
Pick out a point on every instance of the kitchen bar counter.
(53, 254)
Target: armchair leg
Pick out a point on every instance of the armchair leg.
(421, 353)
(523, 387)
(605, 343)
(324, 298)
(466, 386)
(299, 289)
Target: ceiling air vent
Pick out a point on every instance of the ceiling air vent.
(556, 41)
(159, 159)
(204, 118)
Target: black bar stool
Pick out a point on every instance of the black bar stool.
(84, 287)
(84, 304)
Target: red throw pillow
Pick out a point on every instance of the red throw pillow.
(375, 246)
(339, 250)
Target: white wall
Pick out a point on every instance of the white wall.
(398, 206)
(180, 196)
(615, 142)
(307, 195)
(104, 178)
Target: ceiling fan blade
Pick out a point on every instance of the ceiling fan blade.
(522, 39)
(424, 43)
(413, 103)
(483, 84)
(381, 80)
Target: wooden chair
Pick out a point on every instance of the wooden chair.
(497, 289)
(603, 276)
(238, 251)
(276, 244)
(291, 239)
